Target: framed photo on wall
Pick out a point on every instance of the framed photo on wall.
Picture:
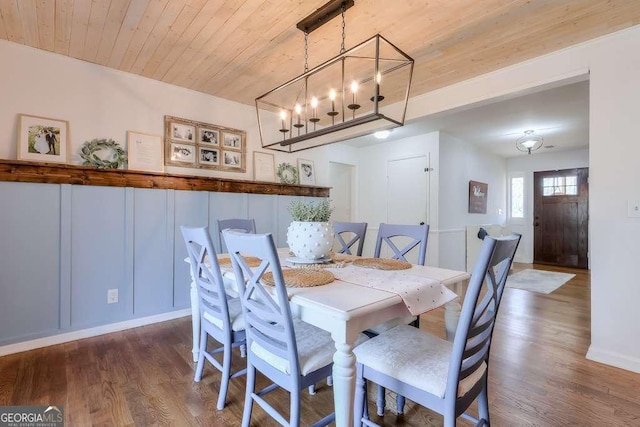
(307, 172)
(43, 139)
(478, 197)
(193, 144)
(145, 152)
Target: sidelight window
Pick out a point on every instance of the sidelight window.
(516, 206)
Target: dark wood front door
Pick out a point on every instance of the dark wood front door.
(561, 217)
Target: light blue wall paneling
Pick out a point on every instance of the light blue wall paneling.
(63, 246)
(99, 253)
(225, 206)
(283, 219)
(191, 209)
(29, 260)
(153, 251)
(263, 208)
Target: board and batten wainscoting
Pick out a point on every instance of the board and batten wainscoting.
(69, 234)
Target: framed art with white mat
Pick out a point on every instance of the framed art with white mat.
(264, 167)
(43, 139)
(307, 172)
(146, 152)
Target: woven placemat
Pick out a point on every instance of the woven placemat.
(301, 277)
(251, 261)
(382, 263)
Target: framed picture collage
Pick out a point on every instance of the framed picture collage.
(193, 144)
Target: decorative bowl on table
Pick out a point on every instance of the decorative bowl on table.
(310, 240)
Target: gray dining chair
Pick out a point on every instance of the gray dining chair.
(433, 372)
(220, 317)
(291, 353)
(354, 231)
(248, 225)
(401, 239)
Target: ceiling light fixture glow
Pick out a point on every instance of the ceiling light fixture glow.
(529, 142)
(382, 134)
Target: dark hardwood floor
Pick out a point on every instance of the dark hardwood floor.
(538, 374)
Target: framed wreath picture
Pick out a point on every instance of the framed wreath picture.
(43, 139)
(189, 143)
(287, 173)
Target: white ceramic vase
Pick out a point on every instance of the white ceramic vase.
(310, 240)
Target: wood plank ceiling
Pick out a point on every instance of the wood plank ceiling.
(240, 49)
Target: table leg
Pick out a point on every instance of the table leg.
(195, 320)
(344, 383)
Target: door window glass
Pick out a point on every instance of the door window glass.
(560, 186)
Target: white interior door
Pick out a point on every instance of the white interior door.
(342, 183)
(407, 193)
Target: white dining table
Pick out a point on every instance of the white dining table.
(345, 310)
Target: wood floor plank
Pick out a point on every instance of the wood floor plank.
(538, 374)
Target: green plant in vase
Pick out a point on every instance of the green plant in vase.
(310, 235)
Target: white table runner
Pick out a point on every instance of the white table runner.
(420, 294)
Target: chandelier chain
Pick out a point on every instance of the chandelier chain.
(343, 32)
(306, 51)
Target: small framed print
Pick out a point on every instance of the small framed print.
(232, 159)
(209, 136)
(208, 156)
(264, 168)
(478, 197)
(43, 139)
(232, 141)
(193, 144)
(183, 153)
(307, 172)
(145, 152)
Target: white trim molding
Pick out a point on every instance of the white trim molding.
(614, 359)
(91, 332)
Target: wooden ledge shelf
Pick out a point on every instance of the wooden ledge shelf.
(50, 173)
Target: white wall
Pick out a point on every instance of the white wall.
(459, 163)
(527, 165)
(613, 168)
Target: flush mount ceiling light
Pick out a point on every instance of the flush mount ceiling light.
(529, 142)
(363, 89)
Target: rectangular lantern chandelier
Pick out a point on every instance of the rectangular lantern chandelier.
(362, 90)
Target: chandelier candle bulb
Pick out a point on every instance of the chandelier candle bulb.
(283, 129)
(354, 96)
(377, 96)
(298, 110)
(314, 111)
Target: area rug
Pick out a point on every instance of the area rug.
(540, 281)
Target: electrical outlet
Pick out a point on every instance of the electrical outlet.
(112, 296)
(633, 208)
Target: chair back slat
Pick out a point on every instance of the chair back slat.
(268, 320)
(389, 234)
(355, 230)
(206, 273)
(472, 340)
(248, 225)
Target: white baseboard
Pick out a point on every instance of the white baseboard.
(91, 332)
(614, 359)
